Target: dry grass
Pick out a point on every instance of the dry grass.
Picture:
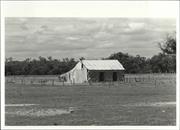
(93, 105)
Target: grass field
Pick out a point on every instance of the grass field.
(90, 105)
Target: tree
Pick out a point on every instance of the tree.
(82, 58)
(40, 66)
(162, 63)
(168, 46)
(131, 64)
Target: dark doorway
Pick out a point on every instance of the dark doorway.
(101, 76)
(114, 76)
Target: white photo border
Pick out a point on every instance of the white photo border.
(136, 9)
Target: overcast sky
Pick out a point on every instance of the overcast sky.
(92, 38)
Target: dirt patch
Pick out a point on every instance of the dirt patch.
(37, 112)
(19, 105)
(152, 104)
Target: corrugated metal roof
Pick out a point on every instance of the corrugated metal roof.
(103, 64)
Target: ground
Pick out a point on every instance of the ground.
(90, 105)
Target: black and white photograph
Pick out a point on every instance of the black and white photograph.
(90, 71)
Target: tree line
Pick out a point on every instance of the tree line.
(160, 63)
(164, 62)
(40, 66)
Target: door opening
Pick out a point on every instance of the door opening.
(101, 76)
(114, 76)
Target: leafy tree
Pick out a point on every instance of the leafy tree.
(41, 66)
(162, 63)
(82, 58)
(131, 64)
(168, 46)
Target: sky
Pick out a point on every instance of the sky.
(92, 38)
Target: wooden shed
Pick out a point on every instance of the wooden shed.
(95, 71)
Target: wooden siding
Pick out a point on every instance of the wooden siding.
(93, 76)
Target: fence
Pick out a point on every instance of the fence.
(129, 80)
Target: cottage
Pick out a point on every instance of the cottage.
(95, 71)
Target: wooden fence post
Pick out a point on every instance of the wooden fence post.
(53, 82)
(31, 82)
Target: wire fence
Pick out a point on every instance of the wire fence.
(151, 80)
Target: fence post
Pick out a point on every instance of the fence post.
(53, 82)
